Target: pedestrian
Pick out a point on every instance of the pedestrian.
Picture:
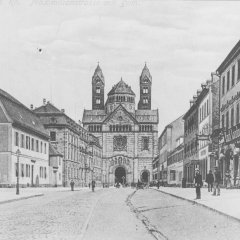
(210, 180)
(198, 184)
(217, 181)
(72, 185)
(93, 185)
(89, 185)
(158, 184)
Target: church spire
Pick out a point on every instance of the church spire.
(145, 73)
(98, 74)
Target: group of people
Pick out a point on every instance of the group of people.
(212, 179)
(93, 184)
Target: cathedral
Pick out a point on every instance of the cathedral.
(128, 135)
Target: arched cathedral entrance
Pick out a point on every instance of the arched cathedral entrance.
(120, 175)
(145, 176)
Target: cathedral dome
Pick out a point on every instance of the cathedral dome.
(121, 88)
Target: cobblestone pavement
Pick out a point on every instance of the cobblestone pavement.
(113, 220)
(56, 215)
(172, 218)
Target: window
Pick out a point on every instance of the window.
(37, 146)
(27, 142)
(207, 107)
(22, 170)
(233, 75)
(145, 142)
(172, 175)
(45, 148)
(238, 74)
(227, 120)
(145, 90)
(98, 101)
(53, 136)
(237, 114)
(22, 141)
(16, 139)
(41, 148)
(228, 80)
(223, 121)
(97, 89)
(232, 117)
(32, 144)
(145, 100)
(223, 85)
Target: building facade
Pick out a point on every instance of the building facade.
(229, 72)
(22, 138)
(128, 136)
(71, 140)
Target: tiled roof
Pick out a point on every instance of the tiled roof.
(53, 151)
(121, 87)
(21, 115)
(48, 108)
(96, 116)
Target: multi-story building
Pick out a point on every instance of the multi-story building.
(71, 140)
(190, 162)
(128, 136)
(229, 72)
(164, 147)
(176, 153)
(208, 122)
(22, 138)
(156, 169)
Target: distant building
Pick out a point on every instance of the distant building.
(69, 139)
(55, 167)
(22, 130)
(156, 169)
(128, 136)
(229, 71)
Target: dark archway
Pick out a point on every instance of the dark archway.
(145, 176)
(120, 175)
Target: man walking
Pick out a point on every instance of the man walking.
(72, 185)
(198, 184)
(217, 181)
(210, 180)
(93, 185)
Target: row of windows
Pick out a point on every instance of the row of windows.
(120, 128)
(232, 72)
(75, 173)
(145, 90)
(175, 158)
(145, 100)
(145, 128)
(191, 124)
(121, 99)
(204, 111)
(43, 172)
(232, 118)
(95, 128)
(25, 171)
(20, 140)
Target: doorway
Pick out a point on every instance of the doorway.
(120, 175)
(145, 176)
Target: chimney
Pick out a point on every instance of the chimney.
(44, 101)
(62, 110)
(199, 92)
(31, 106)
(203, 85)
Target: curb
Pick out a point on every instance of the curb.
(22, 198)
(200, 204)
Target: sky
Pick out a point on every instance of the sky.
(182, 42)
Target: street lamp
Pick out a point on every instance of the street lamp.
(17, 187)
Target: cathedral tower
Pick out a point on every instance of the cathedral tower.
(98, 85)
(145, 89)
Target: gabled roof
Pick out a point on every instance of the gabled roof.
(120, 106)
(120, 88)
(21, 116)
(53, 151)
(48, 108)
(93, 116)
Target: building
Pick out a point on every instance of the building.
(22, 137)
(156, 169)
(208, 122)
(55, 167)
(71, 140)
(190, 162)
(229, 72)
(176, 153)
(128, 136)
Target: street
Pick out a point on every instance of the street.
(112, 214)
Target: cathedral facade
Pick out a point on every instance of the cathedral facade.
(128, 135)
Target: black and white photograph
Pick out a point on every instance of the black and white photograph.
(119, 120)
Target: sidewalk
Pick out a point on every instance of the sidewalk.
(9, 194)
(227, 203)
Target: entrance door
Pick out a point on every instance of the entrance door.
(120, 175)
(145, 176)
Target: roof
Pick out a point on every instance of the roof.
(120, 88)
(53, 151)
(146, 72)
(96, 116)
(227, 61)
(98, 73)
(20, 115)
(48, 108)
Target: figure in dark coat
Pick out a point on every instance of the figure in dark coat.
(217, 181)
(198, 184)
(72, 185)
(210, 180)
(93, 185)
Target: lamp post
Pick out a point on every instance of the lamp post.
(17, 187)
